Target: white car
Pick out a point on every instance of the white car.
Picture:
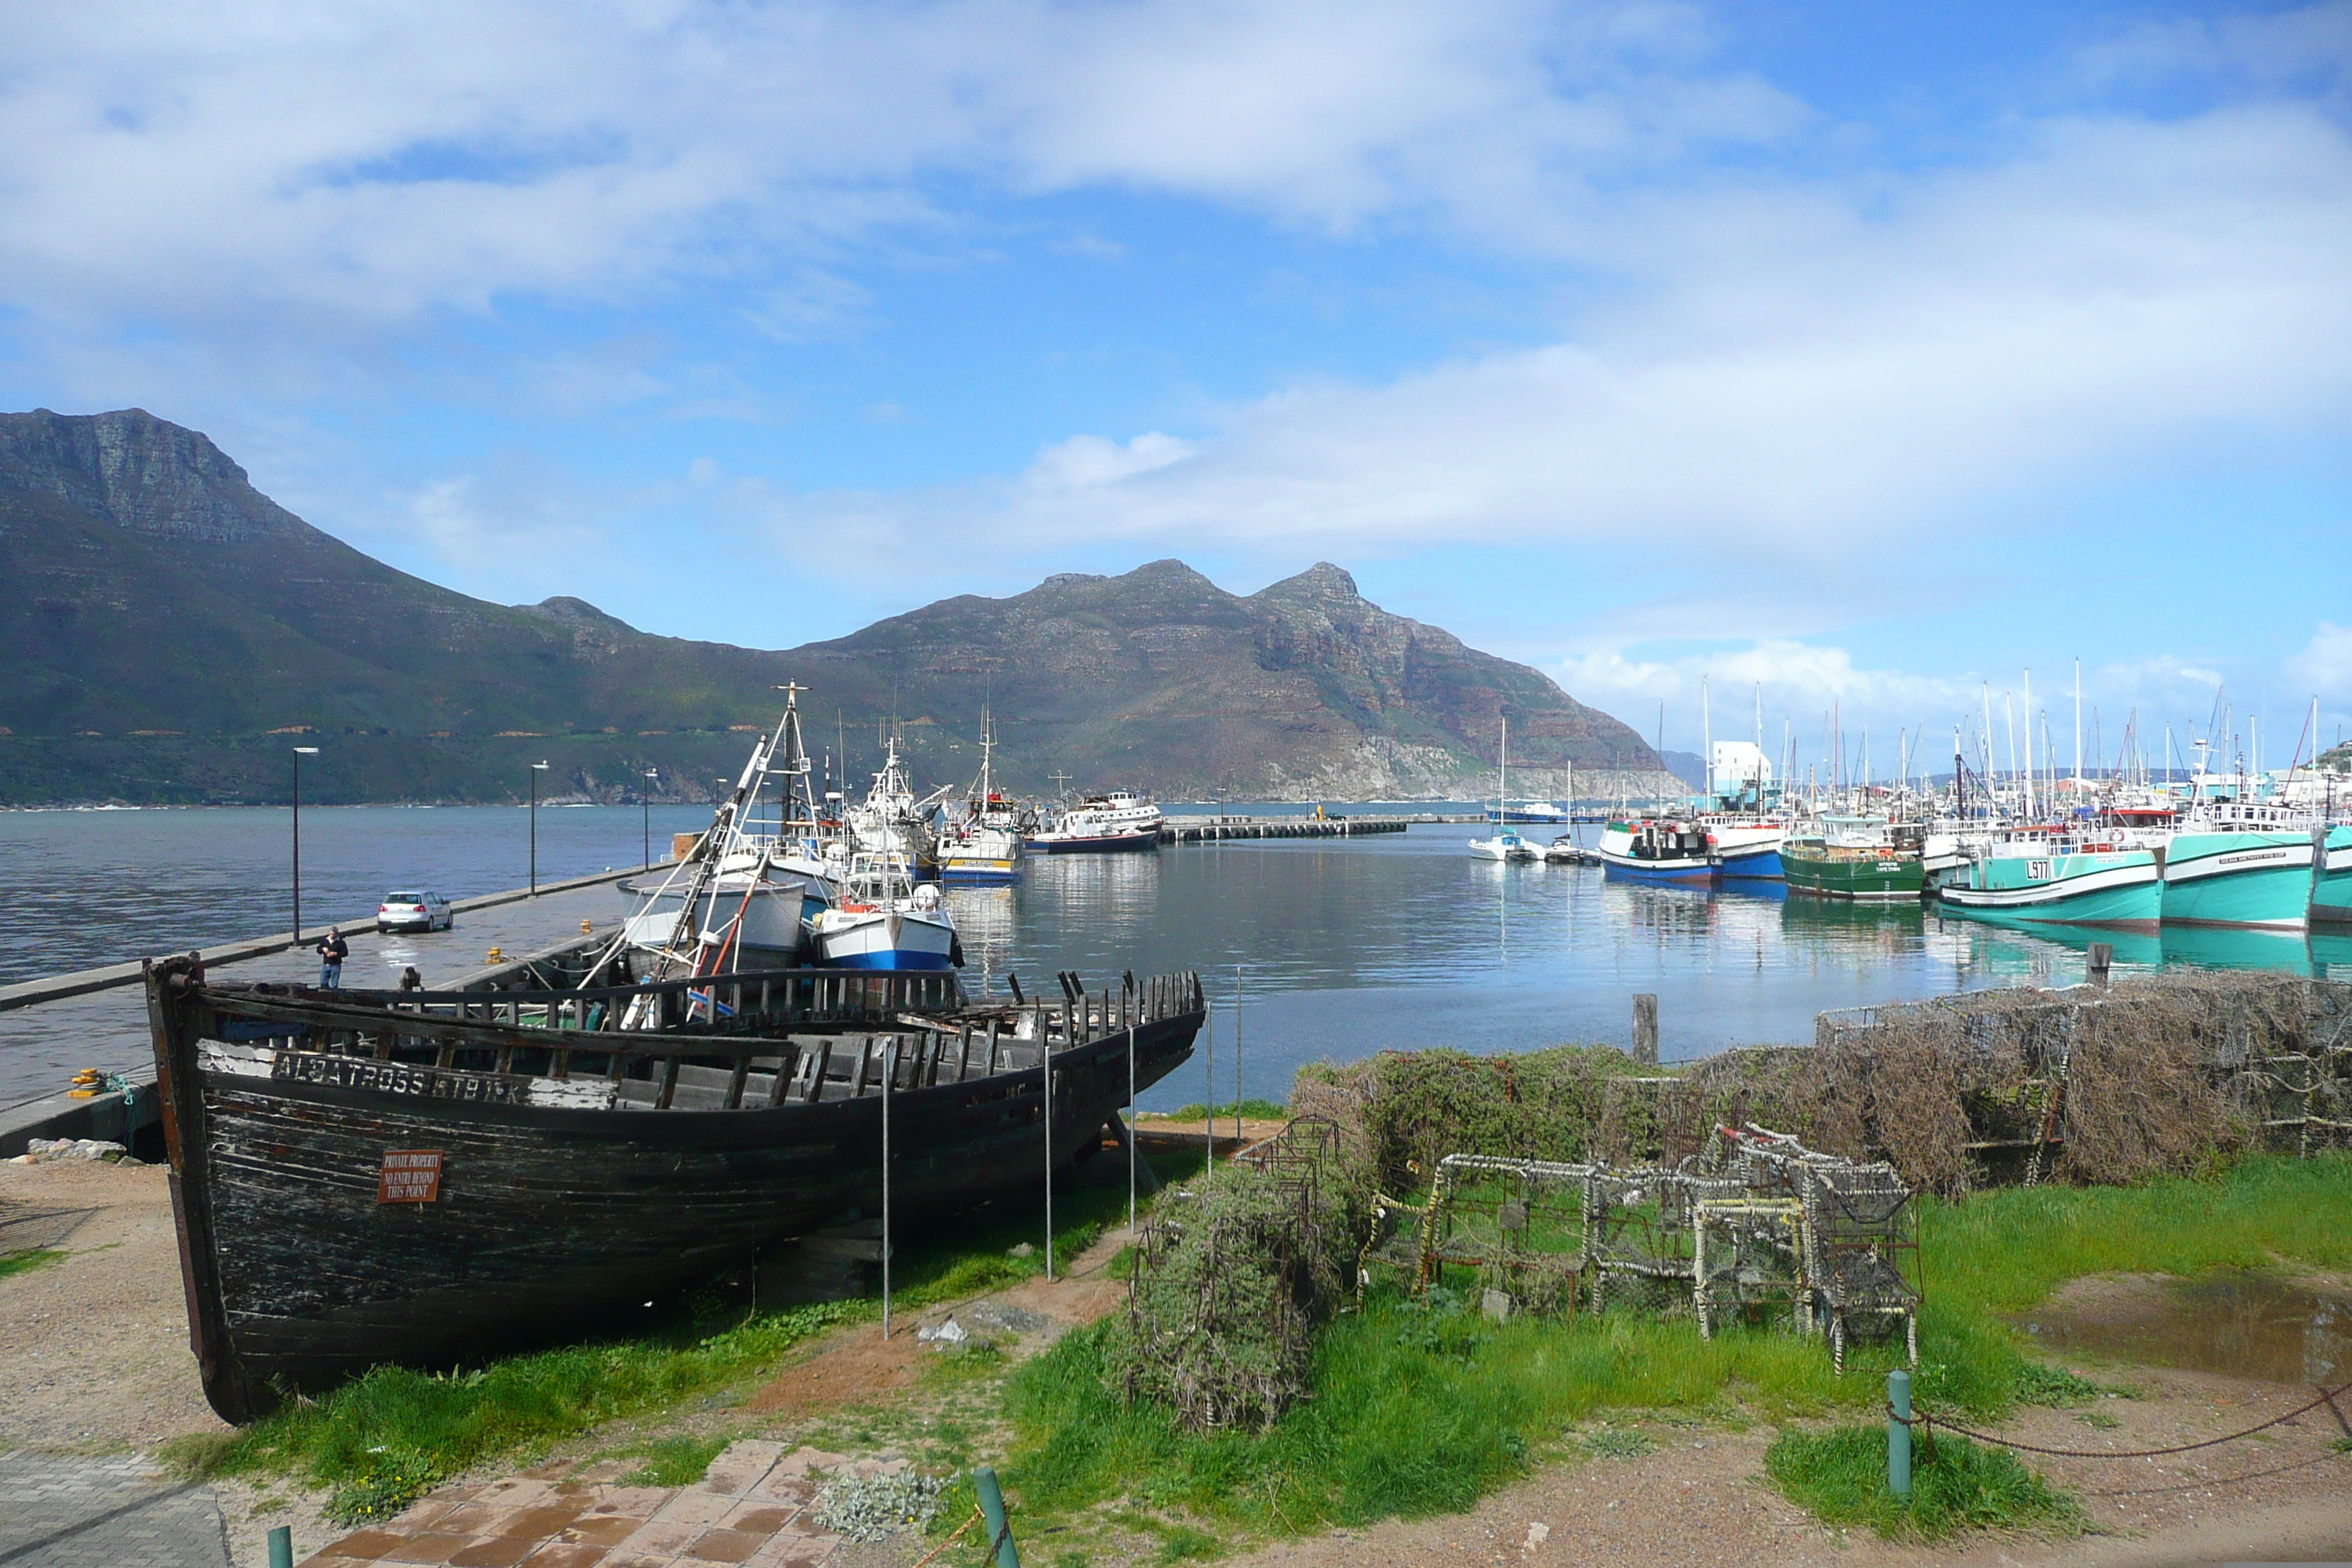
(413, 911)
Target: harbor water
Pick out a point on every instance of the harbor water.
(1336, 947)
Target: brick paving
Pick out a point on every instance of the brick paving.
(60, 1512)
(752, 1507)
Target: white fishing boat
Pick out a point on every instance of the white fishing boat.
(891, 820)
(1100, 825)
(1507, 844)
(884, 920)
(983, 847)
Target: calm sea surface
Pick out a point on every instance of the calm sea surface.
(1337, 947)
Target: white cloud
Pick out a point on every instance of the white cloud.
(357, 167)
(2325, 665)
(1808, 373)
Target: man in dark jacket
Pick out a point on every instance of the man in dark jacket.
(331, 954)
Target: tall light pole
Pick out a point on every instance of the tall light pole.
(299, 752)
(646, 804)
(536, 769)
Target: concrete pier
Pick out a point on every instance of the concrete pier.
(52, 1028)
(1206, 829)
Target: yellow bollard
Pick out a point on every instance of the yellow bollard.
(495, 956)
(585, 928)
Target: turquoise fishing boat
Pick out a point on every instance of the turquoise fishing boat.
(2331, 890)
(2062, 881)
(2241, 863)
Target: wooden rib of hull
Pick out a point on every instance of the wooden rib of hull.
(551, 1224)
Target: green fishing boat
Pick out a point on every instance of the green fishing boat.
(1864, 858)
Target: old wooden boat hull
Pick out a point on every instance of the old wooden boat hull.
(559, 1204)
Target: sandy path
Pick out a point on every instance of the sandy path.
(94, 1351)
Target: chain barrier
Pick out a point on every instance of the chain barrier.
(951, 1540)
(1930, 1423)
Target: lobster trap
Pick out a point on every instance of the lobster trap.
(1754, 1228)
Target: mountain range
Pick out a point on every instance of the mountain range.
(170, 632)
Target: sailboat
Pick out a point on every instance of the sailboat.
(1507, 844)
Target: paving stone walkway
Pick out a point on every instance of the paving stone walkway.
(752, 1507)
(66, 1512)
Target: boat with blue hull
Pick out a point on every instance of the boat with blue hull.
(2038, 881)
(885, 920)
(1747, 848)
(1657, 850)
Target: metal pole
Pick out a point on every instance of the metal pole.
(1237, 1053)
(889, 1076)
(534, 830)
(992, 1514)
(646, 817)
(1130, 1130)
(281, 1547)
(1209, 1028)
(1898, 1433)
(299, 752)
(1045, 1070)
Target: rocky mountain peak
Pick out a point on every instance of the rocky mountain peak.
(1320, 581)
(143, 474)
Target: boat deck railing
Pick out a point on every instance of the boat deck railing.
(731, 1042)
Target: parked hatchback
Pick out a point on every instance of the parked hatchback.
(413, 911)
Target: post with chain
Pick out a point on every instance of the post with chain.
(992, 1512)
(1898, 1433)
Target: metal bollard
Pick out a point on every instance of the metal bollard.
(1898, 1433)
(992, 1514)
(281, 1547)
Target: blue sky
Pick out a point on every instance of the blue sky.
(1870, 353)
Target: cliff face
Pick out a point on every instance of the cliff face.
(155, 592)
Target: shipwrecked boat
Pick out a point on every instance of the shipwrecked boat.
(432, 1178)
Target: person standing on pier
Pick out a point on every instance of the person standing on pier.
(331, 954)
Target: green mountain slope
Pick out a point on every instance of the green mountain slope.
(164, 618)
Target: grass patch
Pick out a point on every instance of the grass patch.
(387, 1439)
(1417, 1412)
(25, 1262)
(672, 1461)
(1255, 1110)
(1956, 1485)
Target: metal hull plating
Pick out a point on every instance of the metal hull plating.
(884, 939)
(2252, 878)
(1861, 876)
(2122, 889)
(2331, 890)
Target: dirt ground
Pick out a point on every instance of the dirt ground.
(93, 1357)
(94, 1351)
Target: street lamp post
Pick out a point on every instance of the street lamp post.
(536, 769)
(645, 801)
(299, 752)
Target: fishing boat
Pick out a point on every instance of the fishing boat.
(2098, 879)
(1657, 850)
(1115, 823)
(1529, 814)
(435, 1178)
(2236, 862)
(2331, 889)
(1746, 848)
(983, 847)
(1507, 844)
(1861, 858)
(884, 918)
(890, 820)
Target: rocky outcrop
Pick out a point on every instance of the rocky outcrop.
(143, 474)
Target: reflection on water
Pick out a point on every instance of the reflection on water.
(2244, 1325)
(1351, 947)
(1347, 946)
